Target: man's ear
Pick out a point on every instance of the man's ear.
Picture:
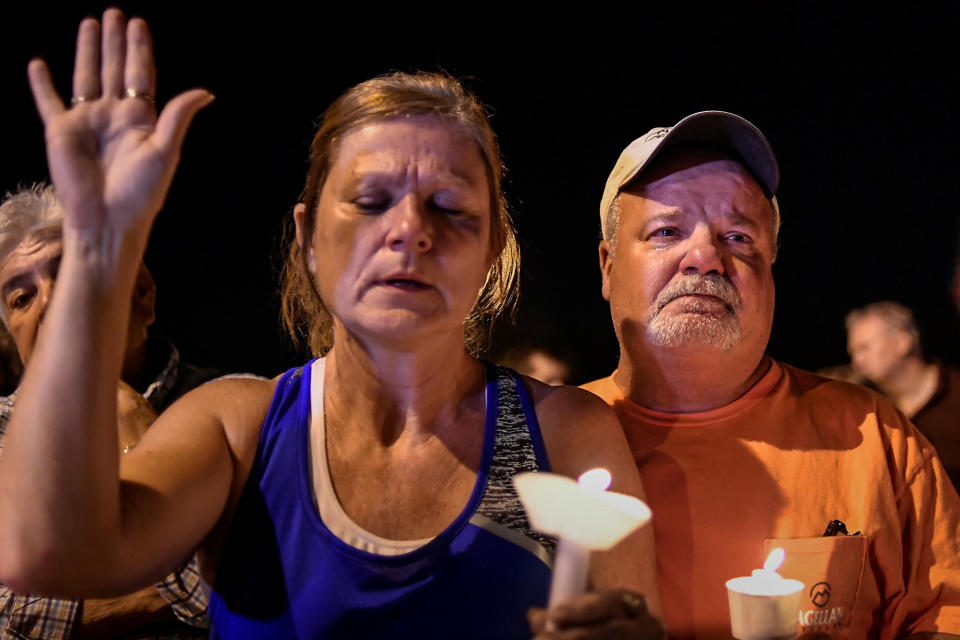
(300, 220)
(606, 264)
(144, 300)
(902, 342)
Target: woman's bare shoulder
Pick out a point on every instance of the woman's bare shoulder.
(236, 403)
(231, 393)
(582, 432)
(563, 407)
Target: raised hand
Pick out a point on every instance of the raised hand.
(111, 157)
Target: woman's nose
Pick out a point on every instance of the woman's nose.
(410, 226)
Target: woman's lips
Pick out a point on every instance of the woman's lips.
(403, 281)
(405, 284)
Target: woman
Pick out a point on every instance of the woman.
(364, 494)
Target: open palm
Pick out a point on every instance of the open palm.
(111, 157)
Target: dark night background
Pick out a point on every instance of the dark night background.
(858, 104)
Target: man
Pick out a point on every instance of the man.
(884, 345)
(740, 454)
(537, 361)
(153, 375)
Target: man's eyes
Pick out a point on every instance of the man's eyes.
(672, 232)
(19, 299)
(664, 232)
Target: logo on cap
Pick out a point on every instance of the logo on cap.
(657, 133)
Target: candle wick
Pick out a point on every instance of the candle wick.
(774, 560)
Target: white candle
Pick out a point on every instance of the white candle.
(764, 604)
(585, 517)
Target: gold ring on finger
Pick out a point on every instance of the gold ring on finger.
(78, 99)
(143, 95)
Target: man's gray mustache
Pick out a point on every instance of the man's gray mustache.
(716, 286)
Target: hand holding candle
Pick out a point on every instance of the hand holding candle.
(763, 606)
(584, 515)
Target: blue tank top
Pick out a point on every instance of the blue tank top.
(283, 574)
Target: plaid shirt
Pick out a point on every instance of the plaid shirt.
(26, 616)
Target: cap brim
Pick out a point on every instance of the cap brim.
(718, 129)
(729, 132)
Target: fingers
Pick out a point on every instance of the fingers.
(176, 116)
(124, 60)
(602, 614)
(86, 66)
(537, 618)
(140, 72)
(612, 630)
(113, 53)
(598, 606)
(45, 95)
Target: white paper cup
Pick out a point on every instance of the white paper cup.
(763, 617)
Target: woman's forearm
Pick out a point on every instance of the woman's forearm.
(59, 486)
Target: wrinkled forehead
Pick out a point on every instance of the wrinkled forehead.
(423, 135)
(693, 162)
(872, 323)
(688, 172)
(38, 245)
(435, 148)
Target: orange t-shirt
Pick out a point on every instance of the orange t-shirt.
(773, 468)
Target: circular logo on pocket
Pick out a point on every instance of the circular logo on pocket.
(820, 594)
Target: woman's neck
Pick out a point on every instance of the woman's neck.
(394, 393)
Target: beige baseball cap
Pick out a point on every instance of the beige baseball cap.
(718, 129)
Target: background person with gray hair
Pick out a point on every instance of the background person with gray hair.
(884, 345)
(153, 377)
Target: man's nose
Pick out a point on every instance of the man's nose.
(856, 361)
(410, 226)
(44, 295)
(704, 254)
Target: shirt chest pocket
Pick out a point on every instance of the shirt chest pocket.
(832, 570)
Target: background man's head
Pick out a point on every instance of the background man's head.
(880, 338)
(689, 236)
(31, 243)
(538, 361)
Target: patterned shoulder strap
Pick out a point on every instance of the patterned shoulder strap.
(513, 453)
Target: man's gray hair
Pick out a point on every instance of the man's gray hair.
(611, 223)
(894, 314)
(26, 211)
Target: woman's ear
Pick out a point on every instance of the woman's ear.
(300, 220)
